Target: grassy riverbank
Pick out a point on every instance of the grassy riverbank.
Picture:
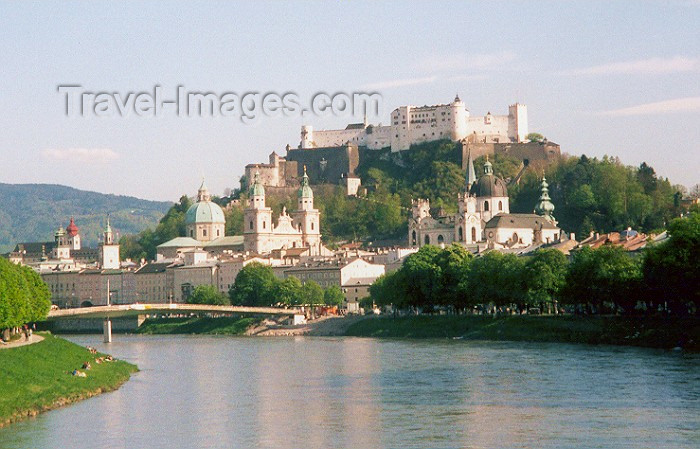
(37, 377)
(197, 325)
(651, 332)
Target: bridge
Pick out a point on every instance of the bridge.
(124, 310)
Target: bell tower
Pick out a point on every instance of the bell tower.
(257, 223)
(109, 251)
(306, 218)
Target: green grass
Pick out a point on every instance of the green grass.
(197, 325)
(656, 332)
(37, 377)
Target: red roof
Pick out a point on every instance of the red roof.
(72, 229)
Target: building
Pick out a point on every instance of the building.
(151, 283)
(484, 217)
(300, 229)
(353, 277)
(416, 124)
(280, 172)
(205, 220)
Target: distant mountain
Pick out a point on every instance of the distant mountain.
(33, 212)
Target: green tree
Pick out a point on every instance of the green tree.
(535, 137)
(333, 296)
(312, 293)
(207, 294)
(543, 277)
(454, 262)
(496, 278)
(289, 291)
(672, 269)
(254, 286)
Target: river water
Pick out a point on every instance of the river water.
(230, 392)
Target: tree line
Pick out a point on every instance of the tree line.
(257, 286)
(24, 297)
(665, 277)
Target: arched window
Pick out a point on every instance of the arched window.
(312, 225)
(486, 205)
(441, 239)
(473, 234)
(264, 224)
(218, 232)
(427, 240)
(204, 232)
(515, 237)
(460, 234)
(500, 205)
(413, 238)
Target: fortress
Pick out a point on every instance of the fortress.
(416, 124)
(332, 156)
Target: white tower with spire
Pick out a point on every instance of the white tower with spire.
(257, 222)
(306, 218)
(109, 250)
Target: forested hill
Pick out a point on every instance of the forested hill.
(33, 212)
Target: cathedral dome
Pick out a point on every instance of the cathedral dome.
(204, 210)
(489, 184)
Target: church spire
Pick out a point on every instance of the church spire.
(471, 174)
(488, 166)
(203, 193)
(545, 207)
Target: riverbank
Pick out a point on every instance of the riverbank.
(198, 325)
(37, 377)
(652, 332)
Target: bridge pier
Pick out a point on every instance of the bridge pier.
(107, 330)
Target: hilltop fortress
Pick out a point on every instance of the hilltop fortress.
(416, 124)
(332, 156)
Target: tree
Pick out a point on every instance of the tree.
(207, 294)
(254, 286)
(312, 293)
(288, 291)
(454, 262)
(24, 297)
(535, 137)
(543, 276)
(672, 269)
(421, 277)
(496, 278)
(333, 296)
(606, 277)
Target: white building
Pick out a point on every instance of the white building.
(300, 229)
(415, 124)
(484, 217)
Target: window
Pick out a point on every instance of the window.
(312, 225)
(427, 240)
(441, 239)
(413, 238)
(500, 205)
(486, 205)
(264, 224)
(460, 234)
(204, 232)
(191, 233)
(473, 234)
(250, 225)
(218, 232)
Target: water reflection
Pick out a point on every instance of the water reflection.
(209, 392)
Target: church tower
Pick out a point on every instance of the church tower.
(545, 207)
(73, 235)
(306, 218)
(467, 223)
(257, 222)
(109, 250)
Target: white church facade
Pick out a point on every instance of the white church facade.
(484, 216)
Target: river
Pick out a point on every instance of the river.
(312, 392)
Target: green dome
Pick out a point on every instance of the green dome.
(256, 188)
(305, 190)
(204, 212)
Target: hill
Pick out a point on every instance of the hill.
(32, 212)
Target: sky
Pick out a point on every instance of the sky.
(598, 77)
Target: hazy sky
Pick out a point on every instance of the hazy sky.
(607, 77)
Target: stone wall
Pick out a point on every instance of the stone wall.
(326, 165)
(534, 152)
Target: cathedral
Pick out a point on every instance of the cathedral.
(484, 216)
(300, 229)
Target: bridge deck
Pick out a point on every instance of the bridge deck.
(142, 309)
